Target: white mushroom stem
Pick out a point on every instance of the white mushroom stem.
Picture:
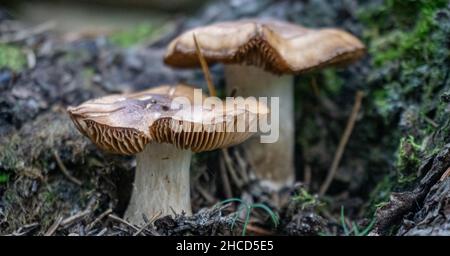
(274, 163)
(161, 183)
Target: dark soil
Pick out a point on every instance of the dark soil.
(53, 181)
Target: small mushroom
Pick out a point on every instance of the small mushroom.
(162, 131)
(261, 57)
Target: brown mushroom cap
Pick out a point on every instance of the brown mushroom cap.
(124, 124)
(276, 46)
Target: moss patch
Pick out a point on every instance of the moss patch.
(11, 57)
(139, 34)
(410, 52)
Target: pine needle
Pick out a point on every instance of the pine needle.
(204, 64)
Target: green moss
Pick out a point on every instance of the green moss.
(138, 34)
(4, 177)
(333, 81)
(9, 155)
(305, 199)
(408, 44)
(48, 196)
(408, 160)
(382, 102)
(416, 18)
(11, 57)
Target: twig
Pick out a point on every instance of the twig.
(233, 92)
(114, 217)
(445, 175)
(142, 229)
(24, 229)
(344, 139)
(64, 169)
(24, 34)
(99, 218)
(205, 194)
(314, 86)
(75, 217)
(242, 164)
(31, 58)
(8, 26)
(102, 232)
(204, 64)
(54, 226)
(230, 168)
(307, 177)
(31, 225)
(431, 122)
(225, 180)
(150, 222)
(250, 161)
(259, 231)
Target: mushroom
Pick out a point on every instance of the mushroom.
(261, 57)
(162, 130)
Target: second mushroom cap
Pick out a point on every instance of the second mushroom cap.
(277, 46)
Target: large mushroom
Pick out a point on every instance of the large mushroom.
(162, 130)
(261, 57)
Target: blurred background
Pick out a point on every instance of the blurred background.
(54, 54)
(100, 15)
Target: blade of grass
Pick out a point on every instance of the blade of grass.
(272, 214)
(368, 228)
(344, 225)
(230, 200)
(247, 220)
(236, 214)
(355, 228)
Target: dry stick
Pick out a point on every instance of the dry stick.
(204, 64)
(259, 231)
(24, 34)
(116, 218)
(99, 218)
(445, 175)
(28, 226)
(242, 165)
(231, 170)
(150, 222)
(249, 161)
(212, 92)
(24, 229)
(307, 177)
(64, 170)
(342, 143)
(54, 226)
(233, 92)
(102, 232)
(31, 58)
(431, 122)
(205, 194)
(225, 180)
(314, 86)
(73, 218)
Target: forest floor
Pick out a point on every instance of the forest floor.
(392, 179)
